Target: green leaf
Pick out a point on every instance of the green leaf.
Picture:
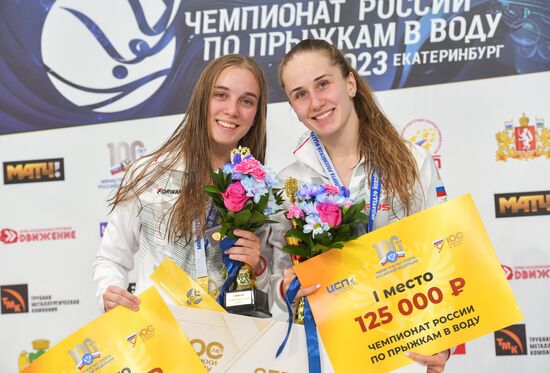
(342, 233)
(319, 249)
(297, 233)
(300, 250)
(262, 204)
(242, 218)
(226, 227)
(211, 189)
(257, 218)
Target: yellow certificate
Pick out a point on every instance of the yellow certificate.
(147, 341)
(424, 284)
(181, 288)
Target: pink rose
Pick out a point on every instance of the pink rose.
(330, 214)
(234, 197)
(258, 174)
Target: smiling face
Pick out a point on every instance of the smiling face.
(320, 96)
(232, 107)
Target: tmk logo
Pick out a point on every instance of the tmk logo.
(511, 340)
(389, 251)
(117, 53)
(8, 236)
(14, 298)
(341, 285)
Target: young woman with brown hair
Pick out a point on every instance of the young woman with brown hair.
(160, 209)
(351, 144)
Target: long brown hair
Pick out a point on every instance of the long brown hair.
(383, 149)
(190, 145)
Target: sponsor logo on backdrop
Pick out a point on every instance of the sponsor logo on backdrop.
(26, 358)
(527, 272)
(539, 345)
(511, 340)
(425, 133)
(509, 205)
(8, 235)
(48, 303)
(523, 140)
(11, 236)
(34, 171)
(121, 156)
(460, 349)
(15, 298)
(86, 355)
(209, 352)
(130, 63)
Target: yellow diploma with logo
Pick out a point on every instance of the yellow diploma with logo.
(423, 284)
(121, 340)
(181, 288)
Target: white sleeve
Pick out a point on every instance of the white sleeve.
(430, 191)
(120, 242)
(280, 261)
(262, 279)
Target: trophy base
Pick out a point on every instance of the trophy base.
(250, 302)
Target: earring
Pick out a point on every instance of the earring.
(353, 94)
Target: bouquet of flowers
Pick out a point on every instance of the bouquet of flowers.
(245, 193)
(323, 217)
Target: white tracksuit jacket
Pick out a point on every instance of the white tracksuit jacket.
(133, 232)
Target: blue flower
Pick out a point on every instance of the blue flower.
(272, 206)
(344, 191)
(254, 188)
(271, 178)
(309, 208)
(309, 191)
(334, 199)
(315, 226)
(228, 168)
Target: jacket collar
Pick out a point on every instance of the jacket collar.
(306, 153)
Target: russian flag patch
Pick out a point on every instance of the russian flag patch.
(440, 191)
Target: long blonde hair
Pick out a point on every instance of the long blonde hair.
(191, 145)
(383, 149)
